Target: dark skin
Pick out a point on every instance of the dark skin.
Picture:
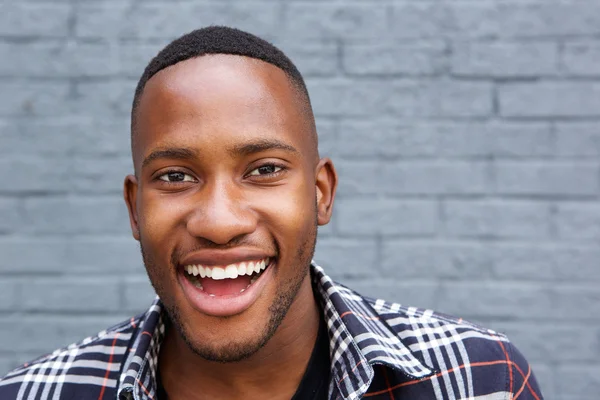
(234, 165)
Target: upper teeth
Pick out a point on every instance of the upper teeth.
(230, 271)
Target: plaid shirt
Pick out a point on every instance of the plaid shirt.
(378, 350)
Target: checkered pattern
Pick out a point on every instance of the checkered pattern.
(378, 350)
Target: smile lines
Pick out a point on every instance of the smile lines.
(231, 271)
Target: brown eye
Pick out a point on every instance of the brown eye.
(176, 176)
(267, 169)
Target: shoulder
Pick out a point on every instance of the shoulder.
(451, 345)
(81, 370)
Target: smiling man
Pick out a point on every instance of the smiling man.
(227, 193)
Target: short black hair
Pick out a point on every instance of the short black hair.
(218, 40)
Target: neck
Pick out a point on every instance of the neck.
(276, 368)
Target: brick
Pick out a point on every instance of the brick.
(418, 20)
(552, 342)
(11, 211)
(497, 219)
(332, 21)
(501, 60)
(413, 177)
(524, 139)
(134, 56)
(75, 256)
(419, 59)
(10, 295)
(549, 99)
(495, 299)
(327, 130)
(417, 259)
(138, 294)
(7, 363)
(385, 138)
(358, 217)
(108, 255)
(575, 300)
(346, 258)
(99, 175)
(578, 381)
(45, 333)
(74, 215)
(335, 97)
(27, 255)
(564, 179)
(29, 20)
(313, 59)
(162, 21)
(326, 230)
(551, 262)
(34, 175)
(62, 175)
(523, 19)
(578, 221)
(421, 293)
(578, 139)
(544, 375)
(102, 99)
(58, 59)
(443, 99)
(581, 58)
(82, 295)
(33, 98)
(401, 98)
(69, 136)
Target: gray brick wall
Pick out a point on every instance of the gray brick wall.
(466, 134)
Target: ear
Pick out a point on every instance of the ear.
(130, 188)
(326, 185)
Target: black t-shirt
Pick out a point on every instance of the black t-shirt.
(315, 382)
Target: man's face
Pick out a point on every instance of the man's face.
(228, 182)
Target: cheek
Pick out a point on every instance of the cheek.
(290, 213)
(159, 218)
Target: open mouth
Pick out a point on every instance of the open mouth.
(226, 280)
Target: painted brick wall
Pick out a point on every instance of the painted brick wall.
(466, 134)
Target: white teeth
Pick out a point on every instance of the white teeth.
(231, 272)
(218, 273)
(241, 268)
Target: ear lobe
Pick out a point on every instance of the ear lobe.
(130, 187)
(326, 185)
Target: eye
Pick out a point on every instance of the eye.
(176, 176)
(267, 169)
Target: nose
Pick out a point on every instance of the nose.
(221, 214)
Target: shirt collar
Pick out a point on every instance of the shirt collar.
(358, 339)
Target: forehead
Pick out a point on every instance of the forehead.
(216, 99)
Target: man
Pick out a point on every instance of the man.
(225, 201)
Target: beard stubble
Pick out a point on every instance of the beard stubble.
(237, 351)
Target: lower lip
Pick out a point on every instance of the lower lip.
(224, 306)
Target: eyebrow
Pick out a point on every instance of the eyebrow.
(172, 153)
(260, 146)
(183, 153)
